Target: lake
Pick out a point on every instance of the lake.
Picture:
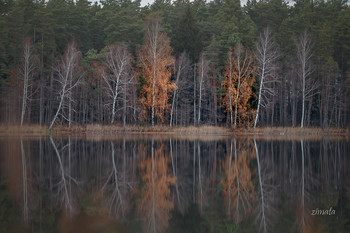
(174, 183)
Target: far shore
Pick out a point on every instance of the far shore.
(109, 131)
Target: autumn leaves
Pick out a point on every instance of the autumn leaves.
(239, 76)
(156, 62)
(155, 68)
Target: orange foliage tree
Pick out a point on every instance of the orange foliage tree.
(156, 64)
(157, 201)
(239, 76)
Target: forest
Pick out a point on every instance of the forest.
(176, 63)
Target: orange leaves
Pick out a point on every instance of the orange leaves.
(157, 63)
(239, 76)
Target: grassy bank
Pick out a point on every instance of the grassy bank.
(112, 130)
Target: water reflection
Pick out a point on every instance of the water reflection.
(171, 185)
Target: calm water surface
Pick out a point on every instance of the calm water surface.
(173, 184)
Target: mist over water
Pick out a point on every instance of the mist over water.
(173, 184)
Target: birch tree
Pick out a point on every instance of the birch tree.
(305, 69)
(182, 64)
(116, 73)
(203, 74)
(229, 85)
(266, 56)
(239, 78)
(67, 79)
(157, 62)
(27, 69)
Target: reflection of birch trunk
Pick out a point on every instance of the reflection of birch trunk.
(194, 171)
(237, 178)
(63, 184)
(117, 185)
(230, 178)
(156, 199)
(25, 184)
(266, 197)
(200, 178)
(174, 173)
(153, 217)
(303, 211)
(262, 201)
(238, 188)
(302, 185)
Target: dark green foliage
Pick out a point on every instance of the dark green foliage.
(187, 36)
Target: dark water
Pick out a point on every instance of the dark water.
(174, 184)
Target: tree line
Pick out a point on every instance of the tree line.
(268, 63)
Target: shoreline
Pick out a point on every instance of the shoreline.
(110, 131)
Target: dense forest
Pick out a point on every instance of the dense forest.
(267, 63)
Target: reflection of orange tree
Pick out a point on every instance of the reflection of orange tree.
(156, 199)
(238, 189)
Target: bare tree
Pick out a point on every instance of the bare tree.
(266, 55)
(117, 73)
(308, 84)
(67, 78)
(181, 65)
(28, 66)
(203, 74)
(229, 73)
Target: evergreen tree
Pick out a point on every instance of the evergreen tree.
(187, 36)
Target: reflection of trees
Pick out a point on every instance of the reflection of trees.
(64, 186)
(119, 185)
(237, 184)
(25, 183)
(181, 170)
(156, 199)
(266, 200)
(308, 174)
(304, 195)
(202, 178)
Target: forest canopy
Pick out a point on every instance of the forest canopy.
(267, 63)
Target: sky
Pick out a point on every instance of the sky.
(145, 2)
